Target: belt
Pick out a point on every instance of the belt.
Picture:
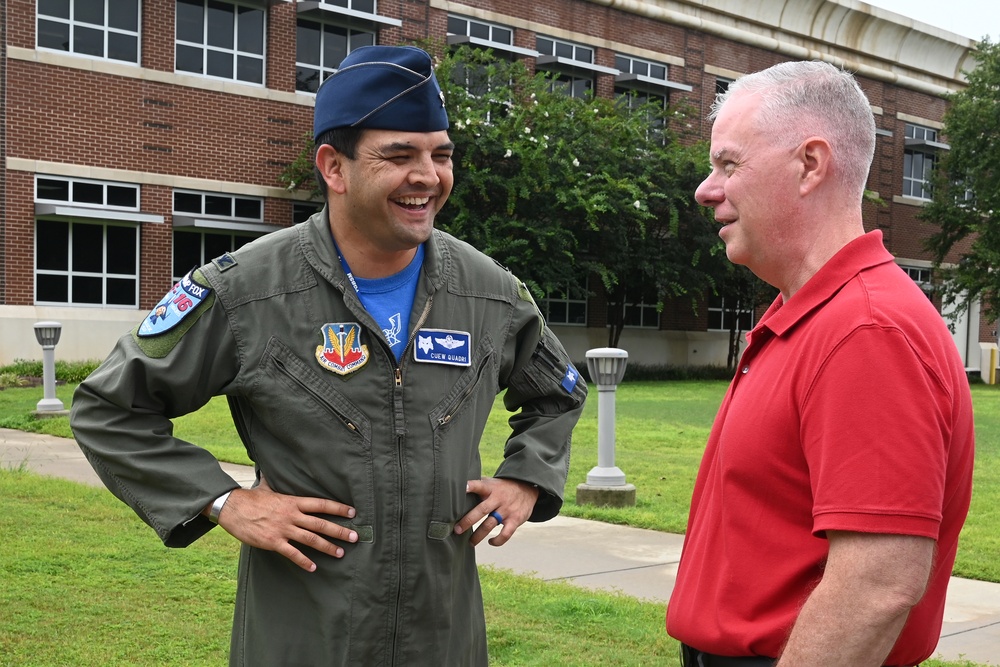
(692, 657)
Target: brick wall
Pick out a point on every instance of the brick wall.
(86, 118)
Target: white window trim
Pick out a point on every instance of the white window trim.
(317, 5)
(458, 40)
(232, 225)
(234, 52)
(105, 28)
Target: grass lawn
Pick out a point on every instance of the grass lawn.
(661, 432)
(86, 583)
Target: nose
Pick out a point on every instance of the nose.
(425, 171)
(710, 192)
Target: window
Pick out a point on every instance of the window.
(320, 48)
(635, 94)
(641, 314)
(566, 307)
(203, 226)
(362, 6)
(302, 211)
(922, 277)
(90, 28)
(645, 68)
(193, 248)
(571, 63)
(86, 254)
(86, 263)
(722, 84)
(80, 192)
(479, 34)
(480, 31)
(723, 317)
(218, 205)
(223, 40)
(918, 161)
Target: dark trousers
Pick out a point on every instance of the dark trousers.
(691, 657)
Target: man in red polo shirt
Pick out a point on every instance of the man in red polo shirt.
(826, 513)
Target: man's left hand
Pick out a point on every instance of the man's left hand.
(512, 500)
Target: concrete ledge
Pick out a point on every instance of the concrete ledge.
(606, 496)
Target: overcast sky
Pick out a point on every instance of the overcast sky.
(969, 18)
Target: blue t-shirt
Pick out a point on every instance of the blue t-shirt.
(390, 299)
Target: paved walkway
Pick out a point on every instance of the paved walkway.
(638, 562)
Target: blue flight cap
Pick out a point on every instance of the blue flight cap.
(382, 87)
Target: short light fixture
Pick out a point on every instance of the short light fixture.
(47, 335)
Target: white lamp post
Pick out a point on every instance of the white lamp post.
(606, 482)
(47, 335)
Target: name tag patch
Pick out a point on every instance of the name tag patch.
(441, 346)
(182, 300)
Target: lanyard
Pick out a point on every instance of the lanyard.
(345, 265)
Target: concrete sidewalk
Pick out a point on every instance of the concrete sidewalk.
(590, 554)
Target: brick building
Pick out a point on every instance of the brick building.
(140, 137)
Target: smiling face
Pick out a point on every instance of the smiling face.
(383, 202)
(752, 188)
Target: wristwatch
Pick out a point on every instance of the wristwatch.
(220, 502)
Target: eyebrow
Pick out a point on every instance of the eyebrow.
(404, 146)
(721, 154)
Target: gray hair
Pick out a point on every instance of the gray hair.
(803, 98)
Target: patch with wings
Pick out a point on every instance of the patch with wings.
(441, 346)
(341, 351)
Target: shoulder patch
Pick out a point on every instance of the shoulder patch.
(171, 318)
(182, 300)
(224, 262)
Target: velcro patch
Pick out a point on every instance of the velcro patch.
(224, 262)
(441, 346)
(569, 379)
(182, 300)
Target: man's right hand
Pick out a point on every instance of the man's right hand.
(262, 518)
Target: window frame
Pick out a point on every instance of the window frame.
(717, 304)
(326, 69)
(237, 240)
(567, 299)
(70, 273)
(235, 52)
(920, 146)
(74, 24)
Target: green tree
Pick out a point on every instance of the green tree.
(966, 204)
(557, 188)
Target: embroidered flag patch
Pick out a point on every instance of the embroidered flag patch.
(441, 346)
(341, 351)
(182, 300)
(569, 379)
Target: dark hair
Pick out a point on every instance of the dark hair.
(344, 140)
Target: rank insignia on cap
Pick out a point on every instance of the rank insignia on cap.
(182, 300)
(441, 346)
(341, 351)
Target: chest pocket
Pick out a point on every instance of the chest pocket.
(458, 421)
(310, 438)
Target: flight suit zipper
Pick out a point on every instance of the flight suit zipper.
(397, 400)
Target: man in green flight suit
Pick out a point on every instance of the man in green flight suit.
(361, 352)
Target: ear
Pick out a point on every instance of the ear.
(330, 165)
(814, 155)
